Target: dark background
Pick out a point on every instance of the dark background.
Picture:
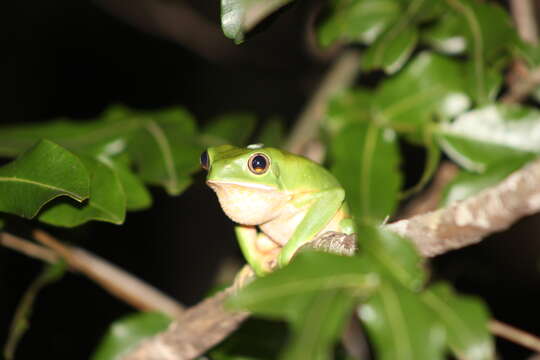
(74, 58)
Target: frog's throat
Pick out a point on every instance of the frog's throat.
(247, 203)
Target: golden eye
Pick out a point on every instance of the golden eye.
(258, 163)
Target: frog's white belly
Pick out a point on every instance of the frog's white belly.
(283, 226)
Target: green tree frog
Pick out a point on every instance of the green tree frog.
(280, 201)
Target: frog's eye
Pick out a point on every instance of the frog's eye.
(205, 163)
(258, 163)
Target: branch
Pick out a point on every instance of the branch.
(523, 14)
(341, 75)
(522, 86)
(514, 335)
(115, 280)
(467, 222)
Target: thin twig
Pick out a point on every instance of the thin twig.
(28, 248)
(522, 87)
(118, 282)
(514, 335)
(340, 76)
(524, 16)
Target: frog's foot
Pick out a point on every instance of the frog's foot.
(244, 277)
(333, 242)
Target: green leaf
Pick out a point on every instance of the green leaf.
(107, 199)
(393, 256)
(361, 20)
(365, 160)
(284, 293)
(446, 35)
(314, 334)
(165, 150)
(430, 85)
(125, 333)
(315, 293)
(483, 137)
(21, 319)
(234, 129)
(137, 196)
(42, 173)
(272, 134)
(465, 320)
(392, 49)
(488, 31)
(401, 326)
(466, 184)
(352, 105)
(240, 16)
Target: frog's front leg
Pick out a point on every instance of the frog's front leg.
(258, 249)
(324, 206)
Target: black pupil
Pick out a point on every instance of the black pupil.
(258, 162)
(204, 160)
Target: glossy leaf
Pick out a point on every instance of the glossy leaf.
(314, 334)
(430, 85)
(483, 137)
(165, 151)
(488, 31)
(21, 320)
(371, 184)
(239, 16)
(107, 199)
(392, 49)
(44, 172)
(466, 184)
(393, 256)
(360, 20)
(401, 326)
(127, 332)
(137, 196)
(346, 107)
(446, 35)
(284, 293)
(465, 319)
(313, 283)
(234, 129)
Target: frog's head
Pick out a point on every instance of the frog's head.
(246, 181)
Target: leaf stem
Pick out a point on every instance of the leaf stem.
(514, 335)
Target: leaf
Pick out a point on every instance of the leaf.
(401, 326)
(361, 20)
(165, 151)
(488, 31)
(314, 334)
(272, 134)
(483, 137)
(240, 16)
(42, 173)
(107, 199)
(465, 320)
(392, 49)
(393, 257)
(284, 292)
(430, 85)
(365, 160)
(466, 184)
(21, 319)
(234, 129)
(125, 333)
(315, 293)
(353, 105)
(446, 35)
(137, 196)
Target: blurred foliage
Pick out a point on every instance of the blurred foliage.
(442, 65)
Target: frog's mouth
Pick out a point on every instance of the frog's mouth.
(248, 203)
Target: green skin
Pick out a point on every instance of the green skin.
(280, 209)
